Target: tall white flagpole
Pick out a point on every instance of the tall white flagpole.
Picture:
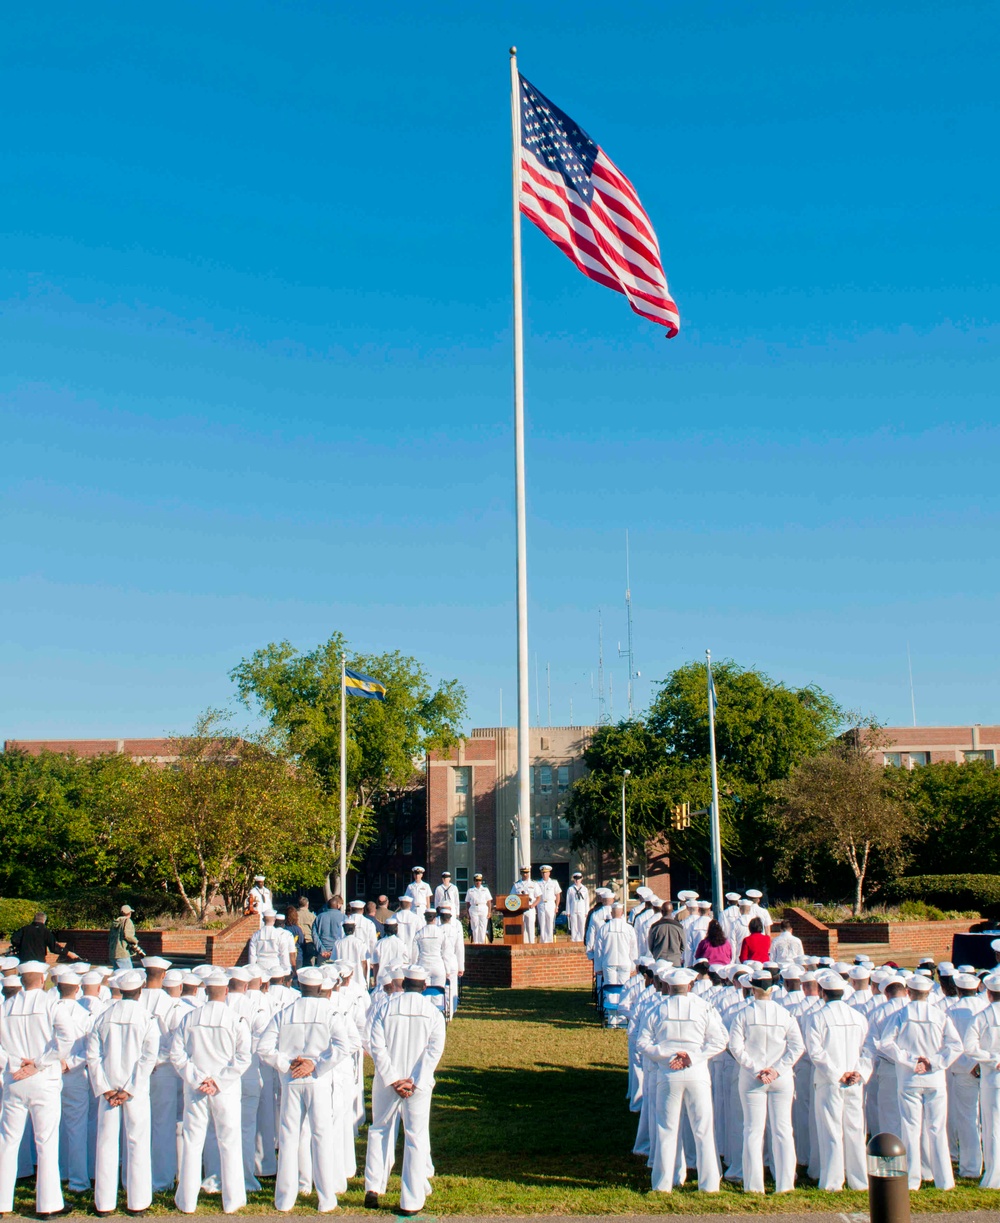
(716, 836)
(343, 779)
(523, 707)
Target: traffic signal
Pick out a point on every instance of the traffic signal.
(680, 816)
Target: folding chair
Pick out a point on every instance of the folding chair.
(611, 996)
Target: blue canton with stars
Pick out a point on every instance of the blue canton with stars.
(556, 140)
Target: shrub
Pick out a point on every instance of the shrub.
(17, 913)
(966, 892)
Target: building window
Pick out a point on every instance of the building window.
(408, 843)
(562, 829)
(546, 827)
(545, 779)
(985, 754)
(892, 758)
(463, 776)
(532, 773)
(563, 778)
(462, 880)
(390, 884)
(461, 830)
(919, 758)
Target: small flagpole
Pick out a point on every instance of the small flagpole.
(716, 836)
(523, 705)
(343, 778)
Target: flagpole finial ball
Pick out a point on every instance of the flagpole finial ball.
(513, 50)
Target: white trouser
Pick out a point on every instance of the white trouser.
(387, 1107)
(840, 1135)
(888, 1098)
(437, 973)
(989, 1111)
(164, 1089)
(923, 1108)
(342, 1106)
(306, 1104)
(734, 1115)
(577, 923)
(74, 1162)
(676, 1090)
(249, 1103)
(963, 1121)
(40, 1095)
(265, 1147)
(529, 919)
(765, 1103)
(802, 1113)
(123, 1138)
(547, 921)
(477, 921)
(223, 1110)
(646, 1104)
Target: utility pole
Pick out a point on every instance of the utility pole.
(628, 653)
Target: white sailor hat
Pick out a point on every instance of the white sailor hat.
(825, 961)
(578, 874)
(255, 972)
(791, 972)
(203, 970)
(414, 973)
(383, 978)
(216, 977)
(654, 900)
(681, 976)
(966, 980)
(406, 900)
(279, 917)
(477, 875)
(992, 982)
(745, 902)
(269, 911)
(841, 967)
(344, 967)
(809, 976)
(447, 874)
(92, 978)
(830, 980)
(646, 961)
(239, 973)
(173, 976)
(80, 967)
(643, 893)
(9, 963)
(662, 971)
(946, 969)
(310, 976)
(546, 867)
(31, 966)
(129, 980)
(154, 961)
(418, 870)
(191, 978)
(444, 909)
(965, 968)
(357, 904)
(754, 893)
(860, 973)
(995, 944)
(258, 878)
(919, 983)
(604, 893)
(732, 897)
(391, 920)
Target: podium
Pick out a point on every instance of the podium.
(511, 907)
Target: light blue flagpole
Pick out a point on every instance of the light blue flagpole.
(716, 835)
(343, 779)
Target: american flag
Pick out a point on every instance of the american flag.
(579, 198)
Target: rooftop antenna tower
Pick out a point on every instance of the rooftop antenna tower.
(913, 703)
(627, 653)
(548, 689)
(602, 716)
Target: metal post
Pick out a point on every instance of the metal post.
(716, 834)
(626, 773)
(888, 1192)
(523, 706)
(343, 779)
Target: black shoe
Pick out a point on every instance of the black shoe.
(407, 1214)
(55, 1214)
(103, 1214)
(371, 1200)
(137, 1214)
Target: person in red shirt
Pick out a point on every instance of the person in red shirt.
(757, 944)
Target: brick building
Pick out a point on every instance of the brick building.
(159, 751)
(909, 747)
(400, 845)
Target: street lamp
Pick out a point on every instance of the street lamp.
(625, 774)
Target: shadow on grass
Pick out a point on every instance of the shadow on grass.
(563, 1008)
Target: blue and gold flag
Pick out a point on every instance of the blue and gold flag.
(356, 684)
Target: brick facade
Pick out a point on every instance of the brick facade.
(539, 966)
(226, 947)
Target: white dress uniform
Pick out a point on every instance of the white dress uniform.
(696, 930)
(528, 887)
(597, 920)
(549, 892)
(683, 1024)
(269, 949)
(212, 1042)
(615, 951)
(428, 952)
(453, 953)
(641, 926)
(263, 897)
(421, 895)
(763, 1036)
(366, 930)
(446, 894)
(30, 1030)
(478, 899)
(308, 1028)
(982, 1044)
(253, 1009)
(786, 948)
(391, 950)
(800, 1006)
(835, 1041)
(728, 918)
(74, 1148)
(963, 1091)
(577, 907)
(409, 923)
(923, 1029)
(407, 1041)
(122, 1048)
(164, 1089)
(354, 949)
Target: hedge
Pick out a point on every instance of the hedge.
(979, 892)
(16, 913)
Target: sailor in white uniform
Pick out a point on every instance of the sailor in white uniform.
(420, 893)
(549, 893)
(577, 906)
(479, 900)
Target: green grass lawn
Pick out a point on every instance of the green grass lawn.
(530, 1117)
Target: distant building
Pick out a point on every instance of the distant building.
(909, 747)
(400, 845)
(158, 751)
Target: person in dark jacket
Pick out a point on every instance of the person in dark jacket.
(666, 937)
(33, 941)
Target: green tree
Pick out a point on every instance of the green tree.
(229, 806)
(955, 810)
(845, 803)
(299, 694)
(763, 729)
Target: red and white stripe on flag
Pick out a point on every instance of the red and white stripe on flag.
(579, 198)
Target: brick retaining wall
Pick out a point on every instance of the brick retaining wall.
(226, 947)
(536, 966)
(817, 938)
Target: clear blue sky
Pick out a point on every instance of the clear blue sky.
(255, 367)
